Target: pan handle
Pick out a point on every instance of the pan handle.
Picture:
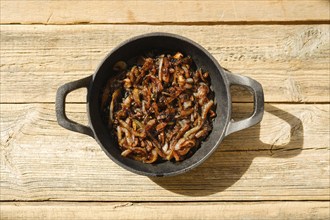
(258, 97)
(61, 94)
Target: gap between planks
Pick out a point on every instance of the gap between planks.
(206, 23)
(45, 201)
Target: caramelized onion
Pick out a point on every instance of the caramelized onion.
(162, 108)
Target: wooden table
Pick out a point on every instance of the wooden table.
(278, 169)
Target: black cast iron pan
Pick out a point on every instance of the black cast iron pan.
(221, 81)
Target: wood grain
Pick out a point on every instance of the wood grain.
(286, 157)
(291, 62)
(91, 12)
(47, 172)
(191, 210)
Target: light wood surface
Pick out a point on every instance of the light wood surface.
(152, 211)
(291, 62)
(276, 160)
(91, 12)
(278, 169)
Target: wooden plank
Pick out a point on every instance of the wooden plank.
(286, 157)
(191, 210)
(73, 12)
(37, 59)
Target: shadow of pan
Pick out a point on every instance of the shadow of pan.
(236, 153)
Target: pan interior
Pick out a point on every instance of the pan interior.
(167, 43)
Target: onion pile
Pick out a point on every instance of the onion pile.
(160, 108)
